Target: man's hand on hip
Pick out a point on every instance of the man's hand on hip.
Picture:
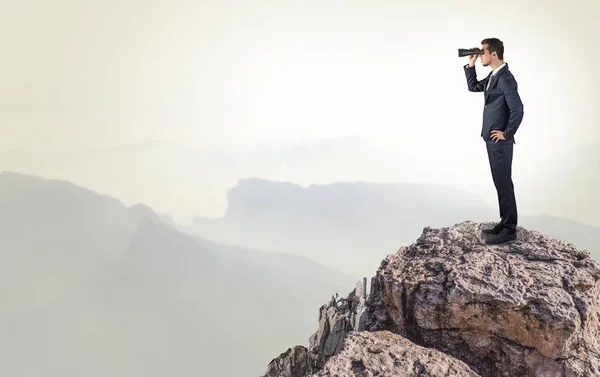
(497, 135)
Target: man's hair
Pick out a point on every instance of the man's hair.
(494, 44)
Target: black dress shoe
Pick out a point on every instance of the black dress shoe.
(504, 237)
(495, 230)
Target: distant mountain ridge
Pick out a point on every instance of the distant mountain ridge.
(82, 275)
(196, 175)
(350, 225)
(353, 225)
(202, 175)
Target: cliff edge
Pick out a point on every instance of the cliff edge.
(450, 305)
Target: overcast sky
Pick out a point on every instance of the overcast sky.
(81, 74)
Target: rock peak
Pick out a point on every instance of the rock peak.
(528, 308)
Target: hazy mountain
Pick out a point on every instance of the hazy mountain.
(349, 225)
(54, 235)
(353, 225)
(568, 186)
(94, 288)
(197, 177)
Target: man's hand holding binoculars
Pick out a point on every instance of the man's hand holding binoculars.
(473, 59)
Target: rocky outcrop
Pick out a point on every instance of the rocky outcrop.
(336, 319)
(524, 309)
(384, 353)
(295, 362)
(529, 309)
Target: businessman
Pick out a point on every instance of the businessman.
(502, 115)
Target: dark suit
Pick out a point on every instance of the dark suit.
(503, 110)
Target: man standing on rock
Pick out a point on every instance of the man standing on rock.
(502, 115)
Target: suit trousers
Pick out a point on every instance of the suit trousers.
(500, 156)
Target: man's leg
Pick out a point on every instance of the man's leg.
(500, 157)
(508, 200)
(493, 159)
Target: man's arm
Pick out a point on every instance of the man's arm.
(472, 83)
(515, 106)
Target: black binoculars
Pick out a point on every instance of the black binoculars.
(469, 51)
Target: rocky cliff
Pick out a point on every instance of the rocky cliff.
(450, 305)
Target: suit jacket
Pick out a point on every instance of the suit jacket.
(503, 109)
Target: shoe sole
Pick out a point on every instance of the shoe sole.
(500, 244)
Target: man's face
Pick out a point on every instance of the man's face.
(486, 58)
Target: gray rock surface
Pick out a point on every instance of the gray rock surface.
(529, 309)
(336, 319)
(383, 353)
(295, 362)
(339, 317)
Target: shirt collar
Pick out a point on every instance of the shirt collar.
(498, 68)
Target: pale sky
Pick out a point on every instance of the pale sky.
(229, 75)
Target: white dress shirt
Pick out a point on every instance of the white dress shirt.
(494, 74)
